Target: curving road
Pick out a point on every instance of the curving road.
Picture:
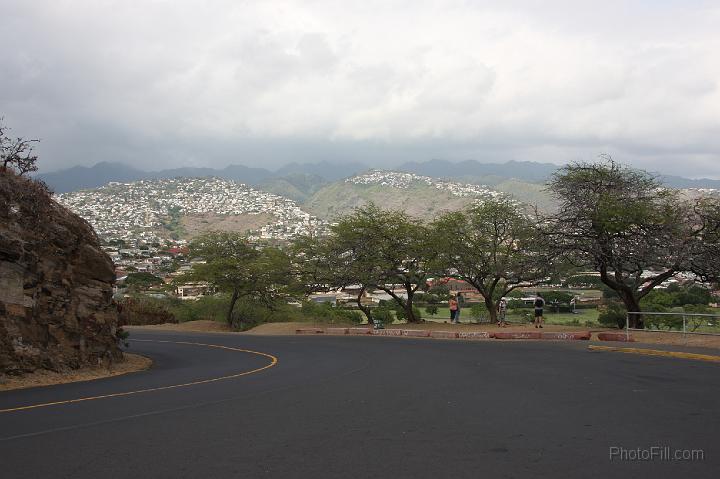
(366, 407)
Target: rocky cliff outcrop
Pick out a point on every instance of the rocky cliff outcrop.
(56, 308)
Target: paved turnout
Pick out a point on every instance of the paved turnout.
(367, 407)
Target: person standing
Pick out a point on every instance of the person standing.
(539, 305)
(460, 304)
(501, 312)
(453, 305)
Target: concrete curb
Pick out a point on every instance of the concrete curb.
(444, 334)
(416, 333)
(581, 336)
(423, 333)
(359, 331)
(336, 330)
(309, 331)
(475, 335)
(615, 337)
(518, 335)
(388, 332)
(657, 352)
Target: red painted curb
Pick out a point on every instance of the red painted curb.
(336, 330)
(309, 331)
(518, 335)
(583, 336)
(443, 334)
(416, 333)
(360, 331)
(388, 332)
(615, 337)
(475, 335)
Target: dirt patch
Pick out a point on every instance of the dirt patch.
(241, 223)
(271, 329)
(207, 326)
(678, 339)
(201, 326)
(131, 363)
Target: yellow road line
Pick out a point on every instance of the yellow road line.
(273, 362)
(657, 352)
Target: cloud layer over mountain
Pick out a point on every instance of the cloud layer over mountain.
(206, 83)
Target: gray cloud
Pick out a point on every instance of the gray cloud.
(170, 83)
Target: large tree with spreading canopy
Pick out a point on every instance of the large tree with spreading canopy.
(623, 223)
(494, 246)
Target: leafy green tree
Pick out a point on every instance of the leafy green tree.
(695, 322)
(385, 249)
(440, 290)
(613, 315)
(584, 281)
(555, 299)
(658, 298)
(142, 280)
(693, 295)
(623, 223)
(245, 271)
(313, 264)
(494, 247)
(118, 242)
(338, 260)
(477, 311)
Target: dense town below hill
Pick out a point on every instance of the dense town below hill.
(402, 180)
(150, 210)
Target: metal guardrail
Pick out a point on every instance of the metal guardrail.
(684, 317)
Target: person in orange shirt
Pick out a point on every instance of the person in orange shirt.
(453, 304)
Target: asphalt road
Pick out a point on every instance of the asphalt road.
(368, 407)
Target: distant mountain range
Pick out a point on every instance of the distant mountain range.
(300, 180)
(486, 173)
(87, 177)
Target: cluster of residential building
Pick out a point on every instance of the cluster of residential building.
(167, 262)
(397, 179)
(143, 210)
(145, 258)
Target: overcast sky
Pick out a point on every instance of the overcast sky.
(176, 83)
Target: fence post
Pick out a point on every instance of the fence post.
(627, 326)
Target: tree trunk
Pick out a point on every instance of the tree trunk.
(491, 307)
(366, 311)
(627, 295)
(632, 304)
(231, 307)
(409, 313)
(405, 304)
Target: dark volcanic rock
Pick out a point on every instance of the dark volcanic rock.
(56, 308)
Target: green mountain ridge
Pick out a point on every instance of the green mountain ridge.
(534, 194)
(298, 187)
(419, 201)
(420, 196)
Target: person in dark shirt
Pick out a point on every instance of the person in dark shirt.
(460, 304)
(539, 305)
